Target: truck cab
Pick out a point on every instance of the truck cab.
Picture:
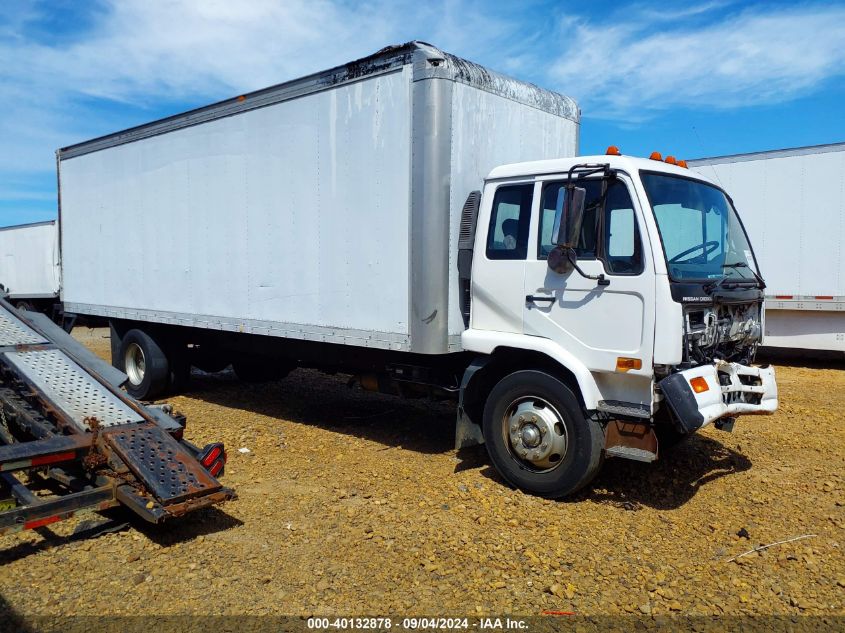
(615, 301)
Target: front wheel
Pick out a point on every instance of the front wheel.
(538, 437)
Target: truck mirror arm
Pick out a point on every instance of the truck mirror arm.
(600, 278)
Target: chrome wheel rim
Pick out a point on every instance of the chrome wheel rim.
(135, 363)
(535, 433)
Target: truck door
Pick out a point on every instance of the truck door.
(498, 283)
(603, 325)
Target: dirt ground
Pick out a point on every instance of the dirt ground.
(354, 503)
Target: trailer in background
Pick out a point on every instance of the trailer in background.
(792, 203)
(29, 265)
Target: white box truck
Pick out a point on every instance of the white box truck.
(793, 202)
(29, 265)
(380, 219)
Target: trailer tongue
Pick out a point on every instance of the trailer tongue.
(65, 422)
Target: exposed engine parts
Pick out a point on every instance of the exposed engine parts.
(725, 331)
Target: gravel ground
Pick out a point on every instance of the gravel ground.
(355, 503)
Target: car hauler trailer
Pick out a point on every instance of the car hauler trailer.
(366, 220)
(29, 265)
(65, 424)
(793, 203)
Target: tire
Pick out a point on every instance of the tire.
(261, 368)
(546, 411)
(146, 364)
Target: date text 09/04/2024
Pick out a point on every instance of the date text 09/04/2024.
(412, 624)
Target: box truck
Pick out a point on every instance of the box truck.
(793, 202)
(423, 224)
(29, 265)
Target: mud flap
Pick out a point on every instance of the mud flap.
(631, 440)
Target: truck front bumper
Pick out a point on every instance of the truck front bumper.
(700, 395)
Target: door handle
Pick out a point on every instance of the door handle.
(535, 299)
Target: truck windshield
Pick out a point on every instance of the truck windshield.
(701, 234)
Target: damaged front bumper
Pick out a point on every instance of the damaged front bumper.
(706, 393)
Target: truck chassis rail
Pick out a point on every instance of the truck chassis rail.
(66, 427)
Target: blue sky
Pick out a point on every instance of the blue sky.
(691, 79)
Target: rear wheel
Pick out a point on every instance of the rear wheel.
(145, 363)
(538, 437)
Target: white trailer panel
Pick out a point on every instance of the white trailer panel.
(324, 209)
(29, 260)
(255, 217)
(792, 203)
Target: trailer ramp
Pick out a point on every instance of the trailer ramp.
(65, 422)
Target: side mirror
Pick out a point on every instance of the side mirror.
(569, 215)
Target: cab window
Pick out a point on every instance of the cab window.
(507, 235)
(609, 230)
(623, 251)
(552, 200)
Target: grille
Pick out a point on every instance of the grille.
(71, 389)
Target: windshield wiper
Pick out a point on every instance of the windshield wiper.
(737, 265)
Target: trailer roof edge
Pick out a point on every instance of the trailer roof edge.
(27, 225)
(388, 59)
(773, 153)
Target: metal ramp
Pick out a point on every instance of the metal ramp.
(63, 417)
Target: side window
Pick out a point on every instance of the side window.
(552, 200)
(507, 235)
(623, 251)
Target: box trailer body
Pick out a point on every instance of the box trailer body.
(326, 209)
(29, 263)
(793, 204)
(411, 219)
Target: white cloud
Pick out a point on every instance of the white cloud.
(145, 58)
(155, 56)
(636, 67)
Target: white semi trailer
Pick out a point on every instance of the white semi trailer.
(29, 264)
(375, 219)
(793, 203)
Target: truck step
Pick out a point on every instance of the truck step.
(628, 409)
(637, 454)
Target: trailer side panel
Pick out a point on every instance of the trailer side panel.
(277, 220)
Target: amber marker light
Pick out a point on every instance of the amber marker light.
(626, 364)
(671, 160)
(656, 156)
(699, 384)
(682, 163)
(613, 151)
